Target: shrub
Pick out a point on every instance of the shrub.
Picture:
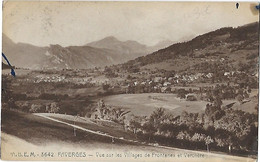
(36, 108)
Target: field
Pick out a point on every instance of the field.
(144, 104)
(38, 131)
(104, 127)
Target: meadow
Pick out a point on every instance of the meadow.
(144, 104)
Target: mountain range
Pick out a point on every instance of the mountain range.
(234, 46)
(105, 52)
(130, 49)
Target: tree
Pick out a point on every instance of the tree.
(183, 136)
(197, 137)
(182, 93)
(246, 95)
(240, 98)
(208, 140)
(218, 114)
(105, 87)
(217, 102)
(129, 77)
(184, 116)
(134, 125)
(157, 116)
(119, 114)
(36, 108)
(52, 108)
(149, 129)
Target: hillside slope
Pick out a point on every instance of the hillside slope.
(235, 46)
(23, 55)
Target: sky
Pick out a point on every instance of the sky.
(78, 23)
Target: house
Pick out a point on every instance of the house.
(222, 59)
(209, 75)
(170, 79)
(157, 79)
(143, 83)
(177, 76)
(166, 84)
(226, 73)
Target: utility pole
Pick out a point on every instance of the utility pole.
(74, 129)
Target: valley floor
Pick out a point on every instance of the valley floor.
(146, 103)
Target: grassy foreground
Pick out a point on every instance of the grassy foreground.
(23, 132)
(38, 130)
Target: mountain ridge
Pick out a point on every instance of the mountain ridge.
(55, 56)
(226, 43)
(109, 51)
(129, 47)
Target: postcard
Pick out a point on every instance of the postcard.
(130, 81)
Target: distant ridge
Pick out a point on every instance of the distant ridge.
(233, 44)
(105, 52)
(225, 42)
(129, 48)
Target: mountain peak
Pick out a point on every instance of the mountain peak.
(110, 38)
(105, 42)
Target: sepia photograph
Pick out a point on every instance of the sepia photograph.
(130, 81)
